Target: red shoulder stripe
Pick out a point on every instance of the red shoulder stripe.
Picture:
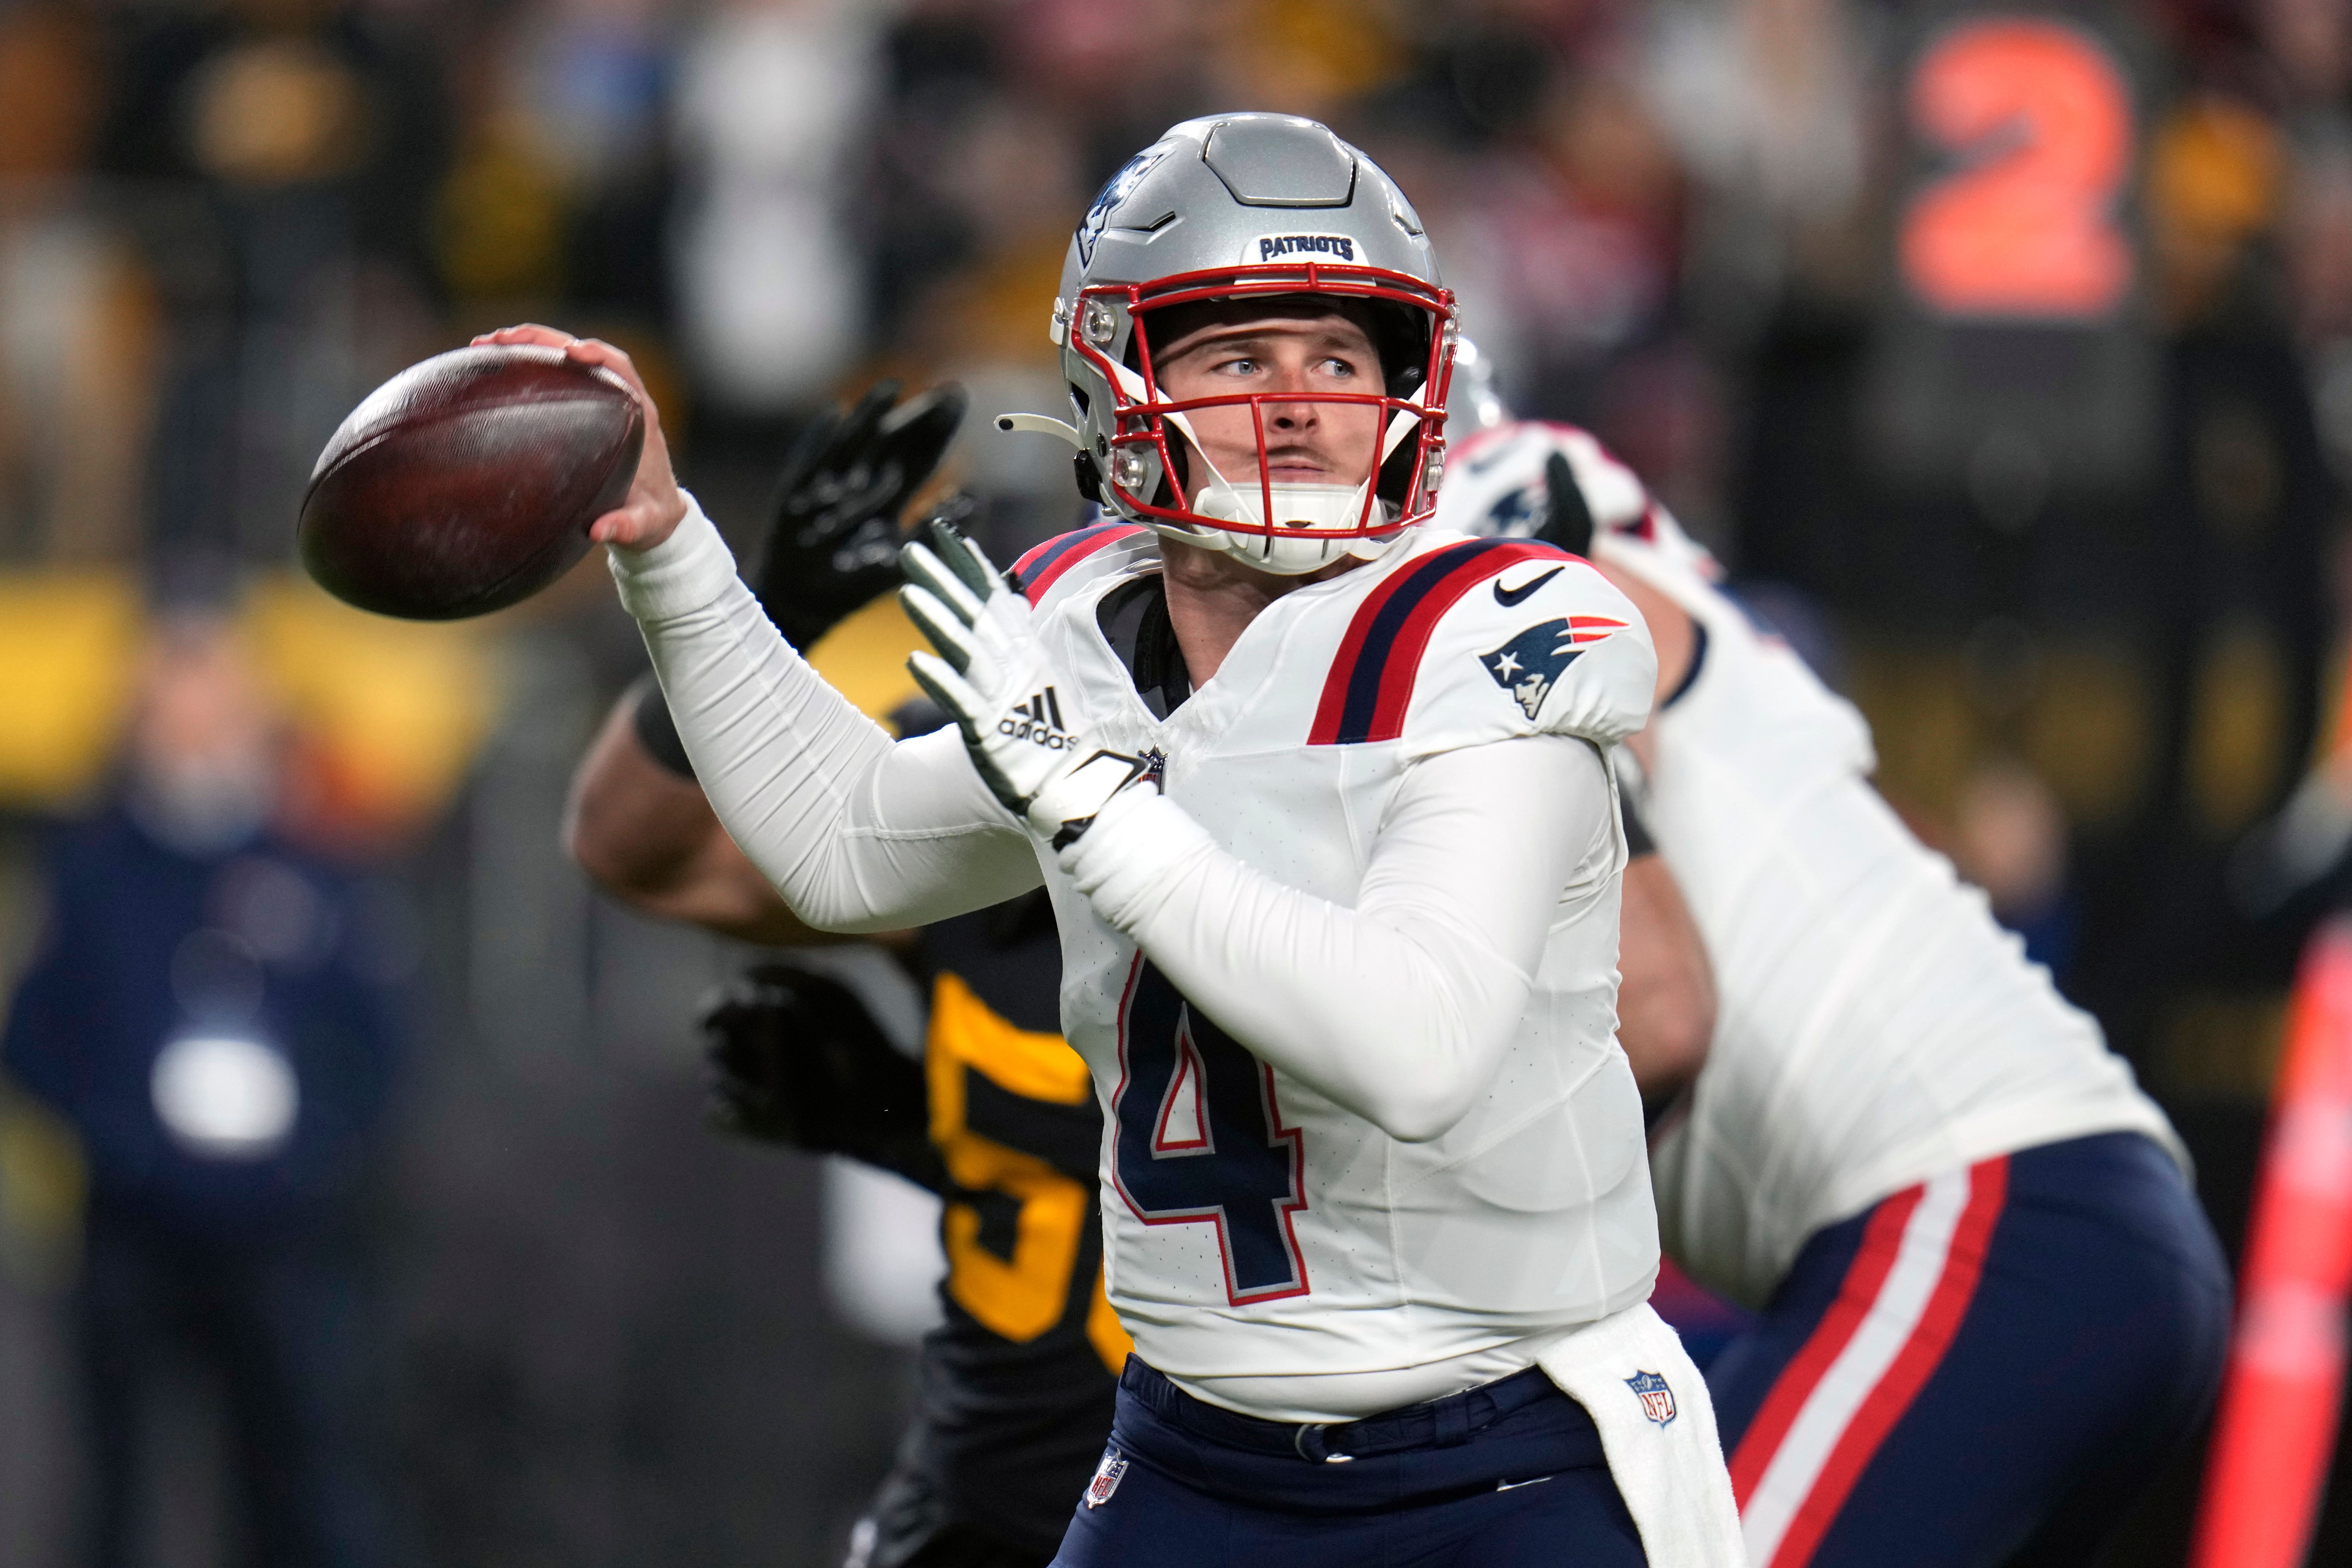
(1371, 683)
(1042, 567)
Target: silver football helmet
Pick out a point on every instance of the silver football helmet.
(1241, 206)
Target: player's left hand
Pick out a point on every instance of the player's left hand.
(1021, 722)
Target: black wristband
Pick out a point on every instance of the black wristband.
(657, 731)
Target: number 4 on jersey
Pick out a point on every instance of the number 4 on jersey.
(1198, 1138)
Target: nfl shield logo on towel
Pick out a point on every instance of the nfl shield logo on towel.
(1657, 1399)
(1106, 1482)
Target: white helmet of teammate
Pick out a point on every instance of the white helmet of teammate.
(1499, 486)
(1251, 206)
(1474, 401)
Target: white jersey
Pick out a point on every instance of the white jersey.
(1310, 1238)
(1874, 1027)
(1369, 1137)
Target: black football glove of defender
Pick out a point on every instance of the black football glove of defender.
(832, 545)
(797, 1059)
(1567, 519)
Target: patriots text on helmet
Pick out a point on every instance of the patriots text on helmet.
(1338, 246)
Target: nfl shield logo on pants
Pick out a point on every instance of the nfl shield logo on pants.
(1657, 1399)
(1106, 1482)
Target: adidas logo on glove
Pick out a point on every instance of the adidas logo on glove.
(1039, 720)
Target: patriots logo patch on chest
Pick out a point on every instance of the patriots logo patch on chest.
(1531, 663)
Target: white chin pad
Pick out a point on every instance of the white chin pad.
(1309, 509)
(1322, 515)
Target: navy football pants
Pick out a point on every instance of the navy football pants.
(1504, 1475)
(1984, 1370)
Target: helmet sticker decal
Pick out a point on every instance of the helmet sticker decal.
(1271, 246)
(1120, 187)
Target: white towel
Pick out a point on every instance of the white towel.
(1657, 1428)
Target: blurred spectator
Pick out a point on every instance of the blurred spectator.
(206, 1012)
(2008, 837)
(279, 158)
(76, 314)
(1550, 189)
(769, 99)
(1768, 105)
(585, 98)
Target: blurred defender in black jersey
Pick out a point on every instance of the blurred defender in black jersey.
(1000, 1115)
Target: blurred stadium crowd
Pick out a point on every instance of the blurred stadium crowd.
(2006, 358)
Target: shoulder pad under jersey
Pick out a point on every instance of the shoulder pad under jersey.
(1068, 562)
(1484, 639)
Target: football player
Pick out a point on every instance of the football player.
(1991, 1305)
(1014, 1391)
(1015, 1385)
(1337, 880)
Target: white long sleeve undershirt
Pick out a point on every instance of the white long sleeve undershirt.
(858, 831)
(1398, 1009)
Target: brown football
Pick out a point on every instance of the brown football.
(467, 482)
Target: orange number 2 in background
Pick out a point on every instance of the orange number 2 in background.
(2040, 119)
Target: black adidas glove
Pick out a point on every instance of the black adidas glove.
(834, 545)
(797, 1059)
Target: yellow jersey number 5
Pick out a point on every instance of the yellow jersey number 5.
(1024, 1295)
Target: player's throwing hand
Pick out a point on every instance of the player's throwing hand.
(652, 510)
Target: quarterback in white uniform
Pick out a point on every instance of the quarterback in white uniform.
(1991, 1304)
(1337, 869)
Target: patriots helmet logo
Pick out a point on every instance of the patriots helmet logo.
(1657, 1399)
(1116, 190)
(1530, 663)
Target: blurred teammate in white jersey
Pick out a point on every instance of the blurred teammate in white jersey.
(1324, 805)
(1991, 1306)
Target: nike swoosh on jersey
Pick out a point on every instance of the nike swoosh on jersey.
(1507, 597)
(1514, 1486)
